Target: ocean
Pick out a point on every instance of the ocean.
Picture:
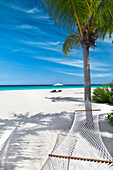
(36, 87)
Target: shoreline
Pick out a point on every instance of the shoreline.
(44, 87)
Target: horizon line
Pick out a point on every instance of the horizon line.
(47, 84)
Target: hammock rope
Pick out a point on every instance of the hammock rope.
(83, 148)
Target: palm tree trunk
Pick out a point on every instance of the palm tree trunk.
(87, 86)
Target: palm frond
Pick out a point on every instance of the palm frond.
(63, 13)
(95, 17)
(72, 41)
(104, 18)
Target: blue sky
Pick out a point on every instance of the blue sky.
(31, 49)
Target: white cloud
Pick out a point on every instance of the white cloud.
(21, 50)
(102, 75)
(29, 11)
(107, 39)
(55, 43)
(72, 74)
(35, 13)
(54, 46)
(99, 69)
(94, 50)
(42, 43)
(13, 51)
(45, 17)
(74, 62)
(97, 66)
(27, 27)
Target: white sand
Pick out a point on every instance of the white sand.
(34, 122)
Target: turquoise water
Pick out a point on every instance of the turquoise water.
(34, 87)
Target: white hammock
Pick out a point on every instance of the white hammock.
(82, 142)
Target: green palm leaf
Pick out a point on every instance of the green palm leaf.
(104, 18)
(71, 42)
(63, 13)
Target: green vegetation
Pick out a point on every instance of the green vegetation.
(110, 118)
(104, 94)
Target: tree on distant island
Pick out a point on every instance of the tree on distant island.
(87, 20)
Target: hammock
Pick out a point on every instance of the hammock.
(83, 148)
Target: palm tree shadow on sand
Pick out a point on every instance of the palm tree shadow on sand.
(20, 145)
(65, 99)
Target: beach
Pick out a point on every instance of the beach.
(33, 123)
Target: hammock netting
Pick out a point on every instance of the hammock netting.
(83, 142)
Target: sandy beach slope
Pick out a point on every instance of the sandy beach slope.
(34, 122)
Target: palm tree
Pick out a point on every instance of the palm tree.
(87, 20)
